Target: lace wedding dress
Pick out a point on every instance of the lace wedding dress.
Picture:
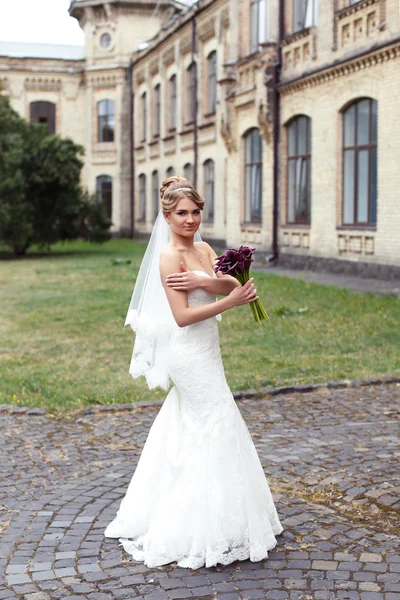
(199, 495)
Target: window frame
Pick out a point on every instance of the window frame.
(173, 103)
(258, 27)
(188, 172)
(191, 93)
(157, 110)
(212, 82)
(101, 181)
(142, 197)
(155, 193)
(143, 100)
(304, 14)
(371, 147)
(299, 159)
(250, 167)
(209, 184)
(106, 121)
(43, 109)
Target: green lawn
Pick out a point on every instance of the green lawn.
(63, 344)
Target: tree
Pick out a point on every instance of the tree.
(41, 201)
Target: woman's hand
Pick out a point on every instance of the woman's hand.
(185, 281)
(244, 294)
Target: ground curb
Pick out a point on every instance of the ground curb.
(245, 395)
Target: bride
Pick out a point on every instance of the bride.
(199, 495)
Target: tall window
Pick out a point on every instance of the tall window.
(305, 14)
(157, 109)
(191, 93)
(154, 193)
(170, 172)
(105, 121)
(143, 101)
(299, 170)
(258, 23)
(188, 172)
(212, 82)
(360, 136)
(252, 176)
(142, 197)
(104, 193)
(45, 113)
(173, 103)
(208, 170)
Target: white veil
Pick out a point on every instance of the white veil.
(149, 313)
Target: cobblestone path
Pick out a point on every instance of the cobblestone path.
(332, 460)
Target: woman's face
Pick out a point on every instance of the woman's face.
(185, 218)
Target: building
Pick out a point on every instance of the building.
(283, 113)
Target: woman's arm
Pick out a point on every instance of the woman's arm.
(185, 315)
(186, 280)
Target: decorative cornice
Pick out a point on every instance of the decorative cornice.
(295, 37)
(43, 84)
(206, 30)
(168, 58)
(354, 8)
(346, 68)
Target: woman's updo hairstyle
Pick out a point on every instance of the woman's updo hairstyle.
(174, 189)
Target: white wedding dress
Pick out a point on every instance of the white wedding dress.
(199, 495)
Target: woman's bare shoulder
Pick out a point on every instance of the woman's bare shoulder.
(169, 259)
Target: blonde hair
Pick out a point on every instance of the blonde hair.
(176, 188)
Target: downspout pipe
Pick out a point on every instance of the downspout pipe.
(276, 72)
(131, 104)
(195, 108)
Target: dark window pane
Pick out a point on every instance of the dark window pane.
(302, 136)
(104, 193)
(44, 113)
(363, 122)
(292, 129)
(373, 189)
(348, 186)
(362, 187)
(173, 101)
(105, 121)
(374, 121)
(349, 126)
(155, 193)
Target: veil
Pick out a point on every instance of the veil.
(149, 313)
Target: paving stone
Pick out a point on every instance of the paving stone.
(321, 555)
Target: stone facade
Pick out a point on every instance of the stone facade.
(315, 65)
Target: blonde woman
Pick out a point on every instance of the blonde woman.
(198, 496)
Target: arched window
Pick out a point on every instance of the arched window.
(155, 193)
(142, 197)
(360, 137)
(170, 172)
(208, 171)
(173, 103)
(104, 193)
(258, 23)
(45, 113)
(299, 170)
(191, 93)
(252, 176)
(211, 82)
(157, 110)
(188, 172)
(144, 117)
(105, 121)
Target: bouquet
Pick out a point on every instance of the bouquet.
(236, 262)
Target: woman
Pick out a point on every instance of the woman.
(199, 495)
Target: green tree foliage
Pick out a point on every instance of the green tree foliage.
(41, 201)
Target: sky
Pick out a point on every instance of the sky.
(42, 21)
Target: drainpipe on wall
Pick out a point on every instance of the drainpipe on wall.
(195, 138)
(131, 109)
(276, 134)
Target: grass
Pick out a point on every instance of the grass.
(63, 344)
